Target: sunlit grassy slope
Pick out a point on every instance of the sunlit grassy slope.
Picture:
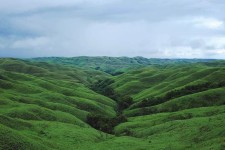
(44, 106)
(39, 94)
(198, 128)
(154, 81)
(187, 121)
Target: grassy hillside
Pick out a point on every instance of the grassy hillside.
(176, 107)
(201, 128)
(148, 82)
(154, 104)
(39, 92)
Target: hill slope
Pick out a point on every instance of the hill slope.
(176, 104)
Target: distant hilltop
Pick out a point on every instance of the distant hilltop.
(118, 65)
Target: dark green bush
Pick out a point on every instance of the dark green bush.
(124, 103)
(103, 123)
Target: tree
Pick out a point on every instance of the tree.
(124, 103)
(103, 123)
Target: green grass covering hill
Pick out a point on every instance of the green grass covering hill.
(37, 92)
(201, 128)
(47, 103)
(148, 82)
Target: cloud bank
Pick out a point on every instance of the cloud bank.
(149, 28)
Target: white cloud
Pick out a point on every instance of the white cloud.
(220, 51)
(181, 52)
(210, 23)
(217, 42)
(37, 42)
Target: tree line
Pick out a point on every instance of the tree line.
(191, 89)
(101, 122)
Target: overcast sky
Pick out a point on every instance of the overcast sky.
(148, 28)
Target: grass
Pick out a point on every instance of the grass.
(198, 128)
(44, 104)
(203, 99)
(153, 81)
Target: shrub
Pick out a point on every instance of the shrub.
(124, 103)
(103, 87)
(103, 123)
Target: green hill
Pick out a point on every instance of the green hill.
(198, 128)
(74, 103)
(116, 65)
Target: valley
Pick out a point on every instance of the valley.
(113, 103)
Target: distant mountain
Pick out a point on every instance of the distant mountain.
(115, 65)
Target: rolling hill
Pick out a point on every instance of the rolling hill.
(79, 103)
(115, 65)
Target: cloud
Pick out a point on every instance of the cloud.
(210, 23)
(37, 42)
(173, 29)
(220, 51)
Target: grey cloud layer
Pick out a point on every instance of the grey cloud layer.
(149, 28)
